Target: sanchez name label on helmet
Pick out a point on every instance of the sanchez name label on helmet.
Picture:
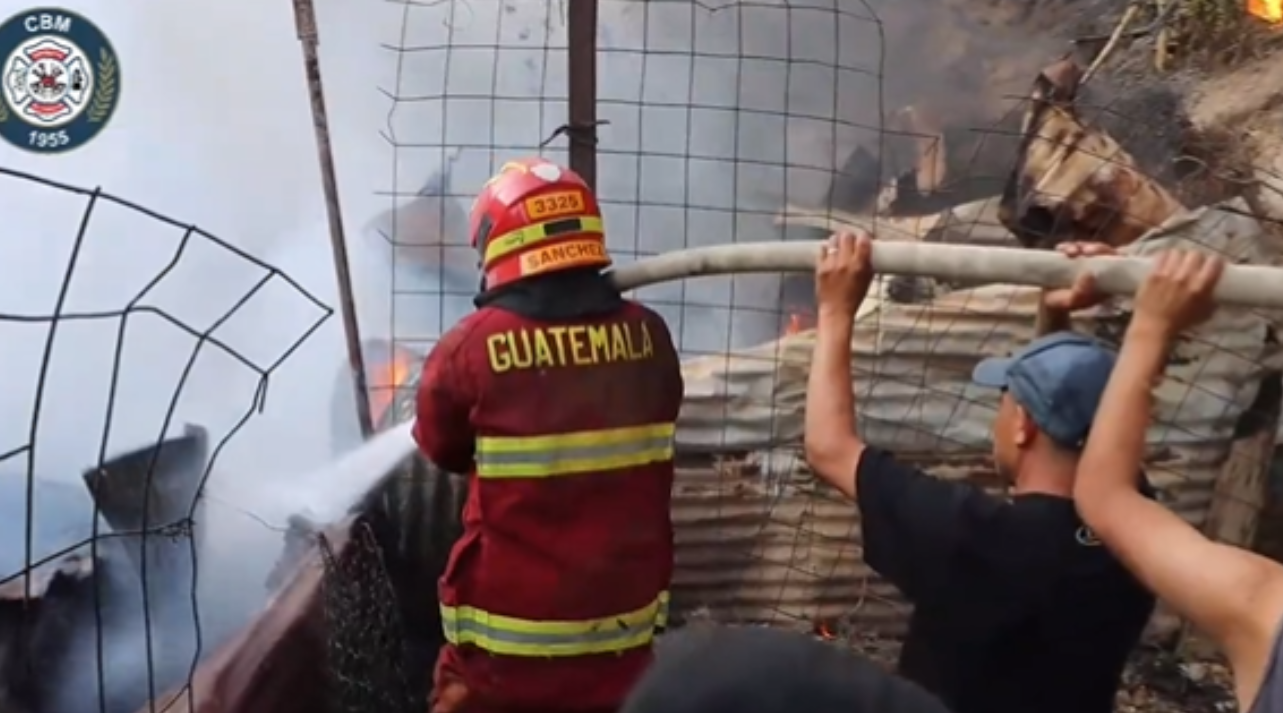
(574, 345)
(555, 204)
(60, 81)
(568, 254)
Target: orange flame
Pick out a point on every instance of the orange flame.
(1269, 10)
(822, 630)
(797, 322)
(384, 380)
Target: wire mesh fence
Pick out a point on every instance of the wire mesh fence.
(730, 122)
(752, 121)
(367, 649)
(98, 579)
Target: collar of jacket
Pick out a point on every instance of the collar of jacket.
(563, 295)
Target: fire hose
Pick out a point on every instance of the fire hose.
(1252, 286)
(1240, 285)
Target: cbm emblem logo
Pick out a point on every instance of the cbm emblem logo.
(60, 80)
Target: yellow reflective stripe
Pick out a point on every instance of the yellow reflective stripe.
(573, 453)
(511, 636)
(508, 242)
(575, 439)
(577, 466)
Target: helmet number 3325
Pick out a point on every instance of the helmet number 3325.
(59, 82)
(533, 218)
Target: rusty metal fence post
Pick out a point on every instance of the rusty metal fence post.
(305, 24)
(581, 129)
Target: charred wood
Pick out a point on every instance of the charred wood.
(1072, 180)
(35, 632)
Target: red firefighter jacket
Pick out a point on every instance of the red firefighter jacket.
(551, 597)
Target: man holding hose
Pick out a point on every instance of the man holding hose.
(1232, 595)
(560, 398)
(1017, 606)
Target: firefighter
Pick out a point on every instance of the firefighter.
(559, 398)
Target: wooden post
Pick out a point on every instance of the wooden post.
(581, 53)
(305, 24)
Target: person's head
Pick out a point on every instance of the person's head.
(536, 218)
(764, 670)
(1050, 392)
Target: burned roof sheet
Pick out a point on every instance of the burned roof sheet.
(63, 521)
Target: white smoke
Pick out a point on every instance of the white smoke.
(718, 114)
(213, 128)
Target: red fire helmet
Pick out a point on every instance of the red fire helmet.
(535, 217)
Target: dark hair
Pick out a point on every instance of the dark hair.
(761, 670)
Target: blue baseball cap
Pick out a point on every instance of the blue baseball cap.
(1058, 379)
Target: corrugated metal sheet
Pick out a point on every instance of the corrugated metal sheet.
(771, 547)
(758, 544)
(758, 541)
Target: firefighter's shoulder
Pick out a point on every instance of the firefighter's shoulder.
(656, 326)
(472, 328)
(655, 319)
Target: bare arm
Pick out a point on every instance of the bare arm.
(843, 275)
(1234, 596)
(832, 447)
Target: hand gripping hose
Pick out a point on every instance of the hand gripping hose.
(1240, 285)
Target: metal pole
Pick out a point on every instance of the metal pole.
(581, 52)
(305, 24)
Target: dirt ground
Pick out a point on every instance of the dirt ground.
(1204, 126)
(1158, 682)
(1228, 100)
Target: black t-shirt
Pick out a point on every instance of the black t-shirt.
(1017, 606)
(1269, 699)
(763, 670)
